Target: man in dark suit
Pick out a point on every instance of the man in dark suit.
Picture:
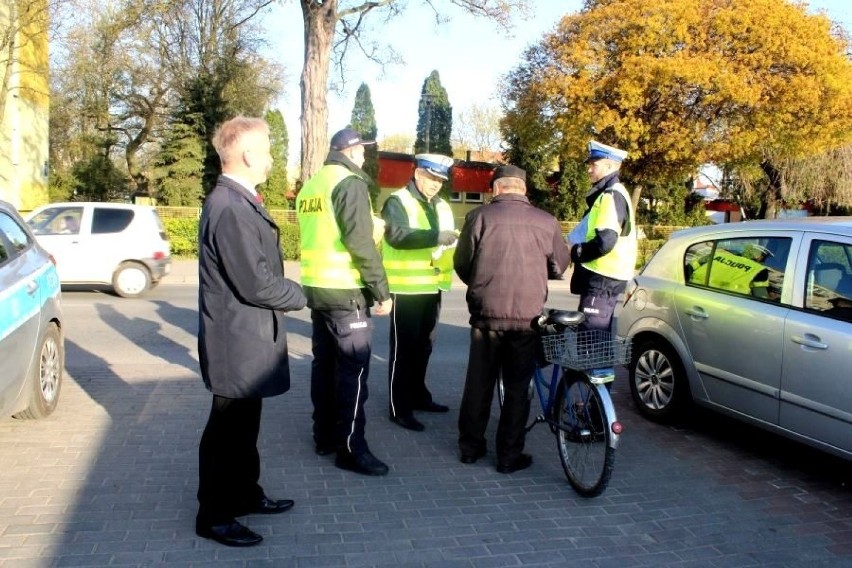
(242, 341)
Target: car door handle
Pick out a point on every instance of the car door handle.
(697, 312)
(32, 287)
(809, 340)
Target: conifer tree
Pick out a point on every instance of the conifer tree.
(435, 118)
(276, 187)
(363, 120)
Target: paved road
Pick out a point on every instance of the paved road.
(110, 478)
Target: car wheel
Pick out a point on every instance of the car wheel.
(131, 280)
(46, 377)
(657, 380)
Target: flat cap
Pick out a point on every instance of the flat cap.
(508, 171)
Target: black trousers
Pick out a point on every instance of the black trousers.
(228, 460)
(341, 342)
(413, 323)
(598, 302)
(492, 354)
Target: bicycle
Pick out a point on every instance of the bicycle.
(575, 402)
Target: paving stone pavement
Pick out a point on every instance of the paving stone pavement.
(110, 480)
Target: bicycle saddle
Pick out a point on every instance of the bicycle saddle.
(564, 318)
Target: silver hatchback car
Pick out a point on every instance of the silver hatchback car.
(750, 319)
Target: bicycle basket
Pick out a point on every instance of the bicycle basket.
(583, 350)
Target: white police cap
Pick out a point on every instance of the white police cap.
(598, 151)
(436, 164)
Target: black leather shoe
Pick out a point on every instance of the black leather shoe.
(408, 422)
(365, 463)
(523, 461)
(471, 458)
(432, 407)
(268, 506)
(325, 449)
(230, 534)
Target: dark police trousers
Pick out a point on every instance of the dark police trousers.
(598, 301)
(341, 343)
(413, 322)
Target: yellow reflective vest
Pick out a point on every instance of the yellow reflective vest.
(731, 272)
(425, 270)
(325, 262)
(620, 262)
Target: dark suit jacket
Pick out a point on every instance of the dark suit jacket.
(242, 297)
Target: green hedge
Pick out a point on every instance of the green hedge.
(647, 248)
(183, 237)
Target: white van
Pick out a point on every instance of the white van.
(120, 245)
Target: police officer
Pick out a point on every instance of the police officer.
(742, 273)
(418, 251)
(342, 275)
(603, 247)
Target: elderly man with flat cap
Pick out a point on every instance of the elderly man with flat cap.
(417, 251)
(507, 251)
(603, 246)
(342, 275)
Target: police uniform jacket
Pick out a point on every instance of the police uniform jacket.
(583, 279)
(242, 297)
(399, 234)
(506, 253)
(354, 216)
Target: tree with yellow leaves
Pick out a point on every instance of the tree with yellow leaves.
(680, 83)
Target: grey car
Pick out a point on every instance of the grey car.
(753, 320)
(32, 354)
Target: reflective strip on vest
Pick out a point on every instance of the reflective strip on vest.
(325, 262)
(620, 262)
(419, 271)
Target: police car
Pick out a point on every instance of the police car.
(750, 319)
(32, 352)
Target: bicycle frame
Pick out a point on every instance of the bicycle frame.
(546, 391)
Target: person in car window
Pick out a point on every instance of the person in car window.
(743, 273)
(70, 226)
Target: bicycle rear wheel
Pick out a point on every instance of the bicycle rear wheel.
(583, 435)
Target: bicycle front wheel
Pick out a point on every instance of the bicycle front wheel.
(583, 435)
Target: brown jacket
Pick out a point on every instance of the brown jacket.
(506, 253)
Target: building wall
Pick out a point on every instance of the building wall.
(25, 105)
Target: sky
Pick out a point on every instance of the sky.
(470, 54)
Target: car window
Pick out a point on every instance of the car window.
(14, 237)
(829, 280)
(107, 220)
(748, 266)
(57, 221)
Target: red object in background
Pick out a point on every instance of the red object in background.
(472, 177)
(396, 169)
(721, 205)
